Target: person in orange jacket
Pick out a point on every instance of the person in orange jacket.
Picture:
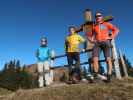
(103, 32)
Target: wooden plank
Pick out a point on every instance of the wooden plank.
(123, 64)
(116, 62)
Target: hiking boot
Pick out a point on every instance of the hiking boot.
(108, 79)
(75, 78)
(90, 78)
(102, 77)
(95, 75)
(96, 78)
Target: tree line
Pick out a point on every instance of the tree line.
(14, 76)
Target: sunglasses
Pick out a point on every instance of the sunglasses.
(43, 41)
(98, 16)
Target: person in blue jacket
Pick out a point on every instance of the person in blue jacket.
(43, 54)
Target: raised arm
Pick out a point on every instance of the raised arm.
(114, 30)
(80, 29)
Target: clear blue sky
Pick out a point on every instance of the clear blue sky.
(22, 22)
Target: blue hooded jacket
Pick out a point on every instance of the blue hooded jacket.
(43, 54)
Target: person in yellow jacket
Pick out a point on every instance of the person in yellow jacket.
(72, 42)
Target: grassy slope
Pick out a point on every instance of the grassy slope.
(117, 90)
(3, 93)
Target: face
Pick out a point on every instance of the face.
(99, 17)
(43, 42)
(88, 16)
(72, 30)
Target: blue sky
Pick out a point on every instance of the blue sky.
(23, 22)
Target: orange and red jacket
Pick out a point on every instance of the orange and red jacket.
(103, 30)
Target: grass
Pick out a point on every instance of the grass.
(4, 91)
(117, 90)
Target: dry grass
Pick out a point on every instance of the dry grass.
(117, 90)
(4, 93)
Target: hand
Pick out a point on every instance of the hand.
(110, 38)
(92, 40)
(110, 34)
(83, 50)
(52, 63)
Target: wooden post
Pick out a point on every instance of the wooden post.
(52, 65)
(123, 64)
(115, 58)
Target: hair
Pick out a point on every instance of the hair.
(89, 10)
(72, 27)
(98, 12)
(43, 38)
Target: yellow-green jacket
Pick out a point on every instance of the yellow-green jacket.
(72, 42)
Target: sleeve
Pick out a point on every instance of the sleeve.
(91, 28)
(89, 34)
(37, 53)
(66, 44)
(81, 39)
(49, 52)
(113, 29)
